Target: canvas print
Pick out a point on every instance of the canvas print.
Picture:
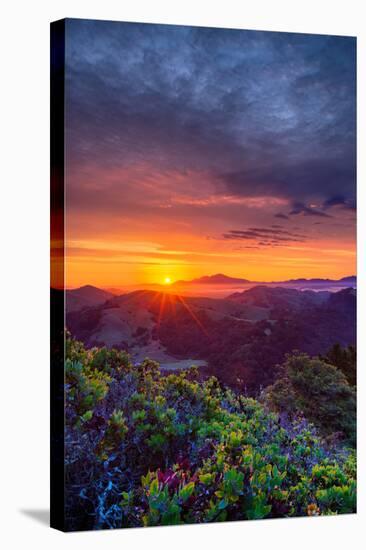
(203, 274)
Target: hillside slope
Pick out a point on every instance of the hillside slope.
(85, 296)
(249, 332)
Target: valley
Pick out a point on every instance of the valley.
(249, 332)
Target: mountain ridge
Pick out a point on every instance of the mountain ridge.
(89, 295)
(220, 278)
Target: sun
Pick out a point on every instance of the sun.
(167, 281)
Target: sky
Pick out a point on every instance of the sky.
(192, 151)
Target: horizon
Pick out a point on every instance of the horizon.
(232, 150)
(195, 282)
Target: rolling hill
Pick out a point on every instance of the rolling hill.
(85, 296)
(271, 297)
(248, 332)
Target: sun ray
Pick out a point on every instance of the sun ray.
(161, 309)
(194, 317)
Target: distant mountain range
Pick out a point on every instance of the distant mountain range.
(90, 296)
(220, 285)
(221, 279)
(218, 279)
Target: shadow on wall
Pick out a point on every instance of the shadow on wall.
(41, 515)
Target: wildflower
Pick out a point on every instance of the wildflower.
(313, 510)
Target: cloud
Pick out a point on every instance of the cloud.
(281, 216)
(263, 114)
(339, 201)
(300, 208)
(264, 236)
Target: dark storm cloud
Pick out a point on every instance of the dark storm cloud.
(265, 114)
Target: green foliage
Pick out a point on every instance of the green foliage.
(109, 361)
(231, 488)
(114, 435)
(85, 387)
(345, 360)
(317, 390)
(147, 449)
(339, 499)
(162, 506)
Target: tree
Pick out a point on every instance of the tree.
(319, 391)
(345, 360)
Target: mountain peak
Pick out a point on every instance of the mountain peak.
(218, 278)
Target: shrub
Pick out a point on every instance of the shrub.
(345, 360)
(147, 449)
(319, 391)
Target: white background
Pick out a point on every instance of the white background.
(24, 306)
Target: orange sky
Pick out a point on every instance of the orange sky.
(151, 232)
(105, 269)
